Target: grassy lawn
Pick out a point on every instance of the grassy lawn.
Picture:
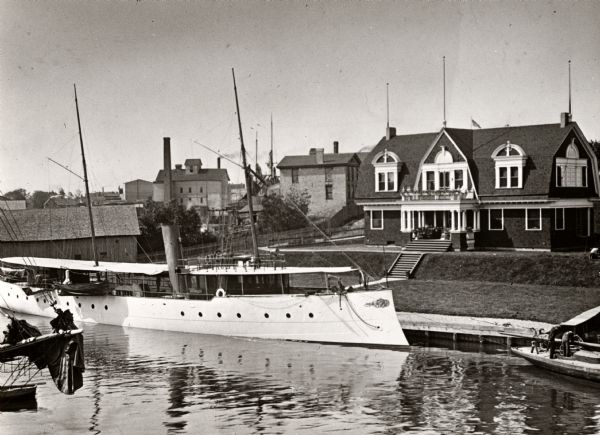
(552, 304)
(547, 287)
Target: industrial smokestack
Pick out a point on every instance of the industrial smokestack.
(167, 169)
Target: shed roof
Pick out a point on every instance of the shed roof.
(69, 223)
(339, 159)
(202, 175)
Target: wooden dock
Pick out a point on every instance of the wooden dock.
(469, 329)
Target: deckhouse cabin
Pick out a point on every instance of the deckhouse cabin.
(522, 187)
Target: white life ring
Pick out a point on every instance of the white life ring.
(221, 293)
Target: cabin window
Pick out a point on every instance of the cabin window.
(376, 219)
(496, 219)
(533, 219)
(559, 218)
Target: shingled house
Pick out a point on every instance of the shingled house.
(65, 233)
(329, 178)
(529, 187)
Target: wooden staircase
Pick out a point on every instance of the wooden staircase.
(404, 265)
(428, 245)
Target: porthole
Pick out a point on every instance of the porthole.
(182, 314)
(44, 300)
(26, 298)
(266, 315)
(199, 314)
(93, 306)
(17, 296)
(36, 299)
(239, 316)
(79, 304)
(9, 294)
(106, 307)
(67, 304)
(218, 314)
(288, 315)
(311, 315)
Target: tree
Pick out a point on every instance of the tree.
(17, 194)
(284, 213)
(39, 198)
(154, 214)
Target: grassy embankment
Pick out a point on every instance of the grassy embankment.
(548, 287)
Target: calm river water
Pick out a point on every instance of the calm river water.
(148, 382)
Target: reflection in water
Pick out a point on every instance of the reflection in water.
(140, 381)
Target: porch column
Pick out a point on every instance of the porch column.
(444, 223)
(435, 218)
(402, 220)
(463, 219)
(453, 221)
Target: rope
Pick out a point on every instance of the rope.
(356, 313)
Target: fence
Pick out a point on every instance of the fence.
(243, 243)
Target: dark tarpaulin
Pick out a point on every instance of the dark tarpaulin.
(62, 354)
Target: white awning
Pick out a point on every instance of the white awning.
(88, 265)
(583, 317)
(251, 270)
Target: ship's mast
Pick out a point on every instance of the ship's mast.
(85, 181)
(246, 173)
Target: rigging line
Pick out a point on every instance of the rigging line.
(14, 238)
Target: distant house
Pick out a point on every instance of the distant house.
(524, 187)
(137, 191)
(62, 201)
(12, 204)
(330, 179)
(106, 198)
(65, 233)
(236, 192)
(203, 189)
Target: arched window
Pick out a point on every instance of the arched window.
(443, 156)
(386, 166)
(571, 171)
(509, 161)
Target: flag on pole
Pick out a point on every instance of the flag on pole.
(474, 123)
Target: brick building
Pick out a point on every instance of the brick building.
(330, 179)
(525, 187)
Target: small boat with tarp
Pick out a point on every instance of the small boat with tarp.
(571, 348)
(25, 351)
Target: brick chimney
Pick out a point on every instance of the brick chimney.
(565, 119)
(179, 166)
(390, 133)
(319, 155)
(218, 162)
(336, 147)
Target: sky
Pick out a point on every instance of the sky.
(148, 69)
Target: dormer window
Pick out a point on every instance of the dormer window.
(571, 171)
(386, 171)
(509, 160)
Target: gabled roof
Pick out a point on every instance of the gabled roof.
(203, 175)
(410, 148)
(69, 223)
(192, 162)
(540, 143)
(340, 159)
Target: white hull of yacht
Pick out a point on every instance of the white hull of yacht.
(358, 318)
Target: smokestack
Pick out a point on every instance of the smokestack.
(218, 162)
(336, 147)
(167, 169)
